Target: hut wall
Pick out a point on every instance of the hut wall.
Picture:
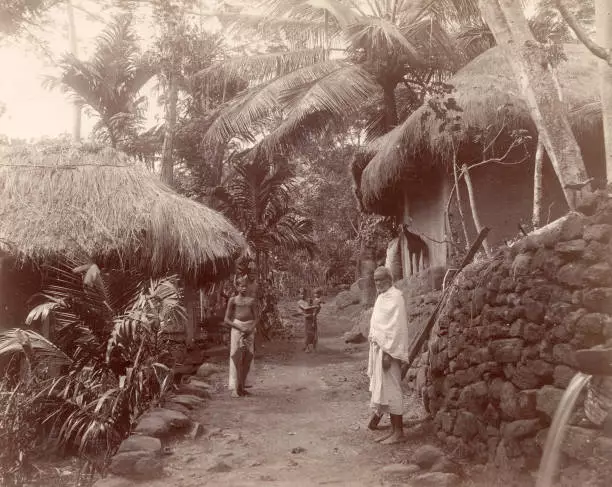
(501, 352)
(504, 199)
(424, 215)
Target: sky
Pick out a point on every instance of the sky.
(33, 111)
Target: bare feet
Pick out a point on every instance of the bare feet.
(244, 392)
(235, 394)
(395, 437)
(374, 420)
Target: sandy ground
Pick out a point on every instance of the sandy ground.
(303, 426)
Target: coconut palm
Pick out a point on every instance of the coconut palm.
(335, 57)
(109, 83)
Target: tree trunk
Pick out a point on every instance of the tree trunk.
(76, 107)
(167, 162)
(509, 26)
(472, 198)
(390, 106)
(367, 258)
(603, 24)
(460, 205)
(536, 218)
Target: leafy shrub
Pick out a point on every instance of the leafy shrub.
(105, 364)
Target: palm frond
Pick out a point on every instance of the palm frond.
(16, 343)
(263, 67)
(337, 94)
(242, 116)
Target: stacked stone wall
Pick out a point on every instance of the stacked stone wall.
(502, 351)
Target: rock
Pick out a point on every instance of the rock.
(113, 481)
(598, 275)
(466, 425)
(572, 226)
(195, 388)
(563, 354)
(520, 428)
(399, 471)
(188, 400)
(603, 448)
(506, 350)
(345, 299)
(161, 422)
(571, 248)
(177, 407)
(562, 376)
(593, 323)
(571, 274)
(600, 233)
(426, 455)
(354, 337)
(524, 377)
(437, 479)
(598, 300)
(508, 402)
(136, 464)
(547, 400)
(579, 443)
(447, 465)
(219, 467)
(541, 368)
(141, 443)
(207, 369)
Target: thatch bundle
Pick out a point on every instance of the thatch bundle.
(487, 92)
(62, 201)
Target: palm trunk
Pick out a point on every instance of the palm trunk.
(167, 162)
(76, 107)
(536, 218)
(509, 26)
(603, 24)
(367, 252)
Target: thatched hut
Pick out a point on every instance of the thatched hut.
(61, 202)
(411, 177)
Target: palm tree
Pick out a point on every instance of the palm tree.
(334, 59)
(110, 82)
(257, 198)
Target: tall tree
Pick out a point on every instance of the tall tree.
(603, 50)
(109, 83)
(530, 64)
(72, 37)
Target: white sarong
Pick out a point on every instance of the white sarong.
(388, 334)
(236, 339)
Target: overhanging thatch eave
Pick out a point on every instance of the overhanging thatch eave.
(488, 94)
(95, 203)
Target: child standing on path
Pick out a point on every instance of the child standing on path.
(241, 316)
(317, 302)
(308, 311)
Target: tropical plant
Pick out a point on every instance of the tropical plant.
(257, 198)
(110, 82)
(106, 360)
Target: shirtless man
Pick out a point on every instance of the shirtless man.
(241, 316)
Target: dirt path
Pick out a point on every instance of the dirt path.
(304, 424)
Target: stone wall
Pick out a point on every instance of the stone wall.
(502, 350)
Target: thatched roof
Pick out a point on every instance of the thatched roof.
(63, 201)
(488, 93)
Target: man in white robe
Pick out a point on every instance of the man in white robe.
(389, 347)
